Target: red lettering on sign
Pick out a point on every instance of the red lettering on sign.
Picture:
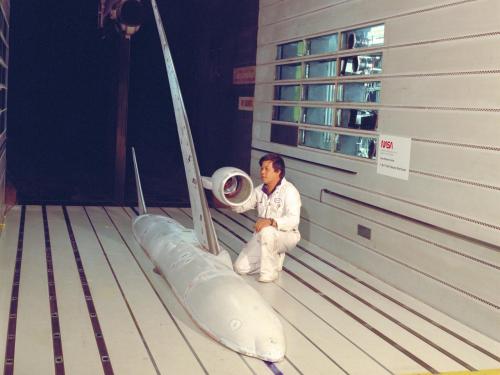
(387, 145)
(245, 103)
(244, 75)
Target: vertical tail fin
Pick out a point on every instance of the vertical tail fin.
(140, 197)
(202, 220)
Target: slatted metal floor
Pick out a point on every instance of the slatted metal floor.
(79, 296)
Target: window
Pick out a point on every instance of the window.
(291, 92)
(318, 116)
(333, 100)
(290, 71)
(319, 93)
(316, 139)
(283, 134)
(361, 65)
(357, 119)
(322, 44)
(321, 68)
(363, 147)
(290, 114)
(289, 50)
(359, 92)
(363, 38)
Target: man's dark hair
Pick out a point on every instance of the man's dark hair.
(278, 163)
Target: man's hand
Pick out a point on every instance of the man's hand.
(262, 223)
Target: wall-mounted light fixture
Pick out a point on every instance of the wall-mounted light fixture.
(127, 15)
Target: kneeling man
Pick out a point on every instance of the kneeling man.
(277, 228)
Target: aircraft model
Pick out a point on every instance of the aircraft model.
(199, 271)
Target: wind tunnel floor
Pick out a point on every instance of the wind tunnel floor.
(79, 296)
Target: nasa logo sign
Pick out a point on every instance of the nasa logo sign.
(394, 156)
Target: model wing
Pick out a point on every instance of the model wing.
(202, 220)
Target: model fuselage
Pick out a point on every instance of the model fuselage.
(219, 300)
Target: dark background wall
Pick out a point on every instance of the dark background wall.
(61, 98)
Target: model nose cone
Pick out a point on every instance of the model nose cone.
(236, 315)
(271, 348)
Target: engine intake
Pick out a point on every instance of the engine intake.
(231, 186)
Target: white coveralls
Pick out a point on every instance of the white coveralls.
(266, 250)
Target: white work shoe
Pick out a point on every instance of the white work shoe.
(268, 278)
(251, 271)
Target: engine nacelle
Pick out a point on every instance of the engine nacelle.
(231, 186)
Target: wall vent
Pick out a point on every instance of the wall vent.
(364, 232)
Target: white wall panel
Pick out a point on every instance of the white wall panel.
(479, 16)
(468, 91)
(474, 54)
(293, 8)
(473, 128)
(266, 54)
(267, 3)
(261, 131)
(474, 17)
(264, 92)
(262, 112)
(472, 277)
(474, 165)
(456, 304)
(265, 73)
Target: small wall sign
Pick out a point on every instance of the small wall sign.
(394, 156)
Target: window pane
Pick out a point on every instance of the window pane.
(363, 38)
(288, 50)
(363, 147)
(290, 71)
(291, 114)
(318, 116)
(323, 44)
(285, 135)
(360, 92)
(357, 119)
(322, 68)
(291, 92)
(315, 139)
(321, 93)
(361, 65)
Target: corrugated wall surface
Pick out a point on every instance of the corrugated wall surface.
(437, 235)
